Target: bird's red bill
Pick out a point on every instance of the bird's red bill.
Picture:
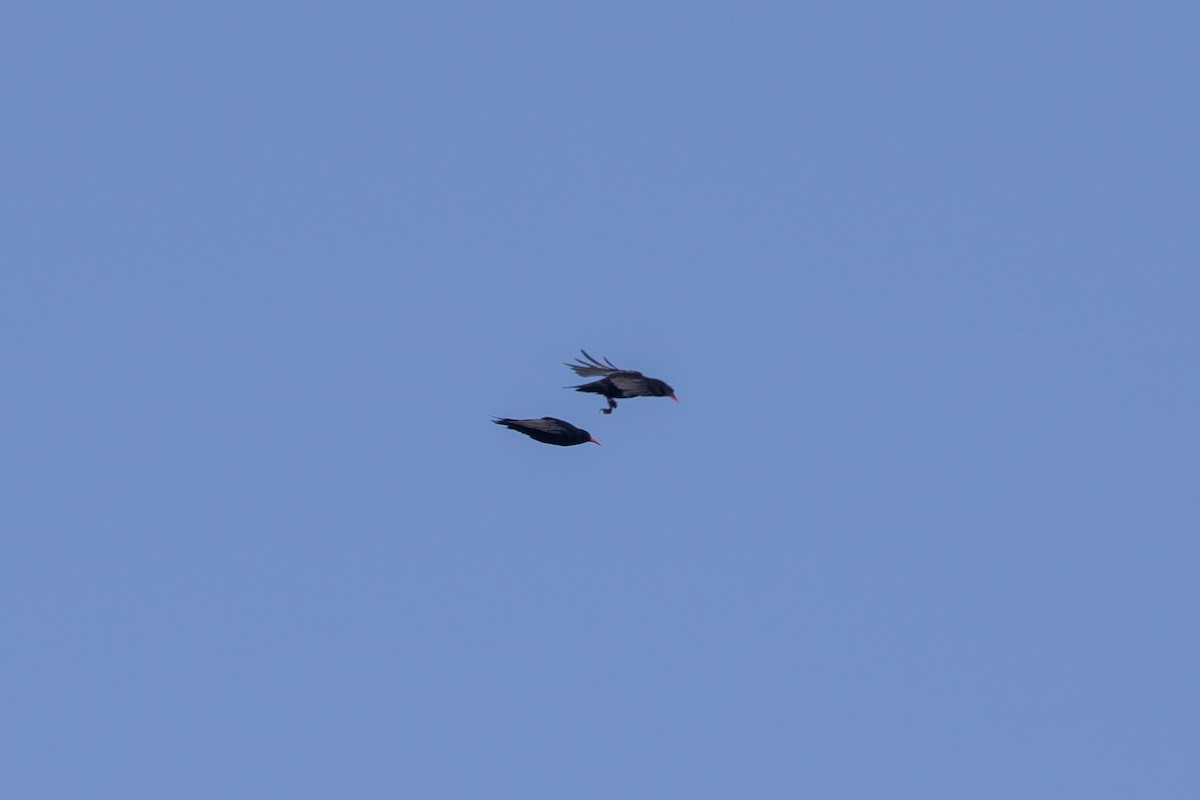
(593, 441)
(676, 399)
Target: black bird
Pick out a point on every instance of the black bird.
(548, 430)
(617, 382)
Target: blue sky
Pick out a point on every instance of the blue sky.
(923, 275)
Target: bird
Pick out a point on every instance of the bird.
(617, 382)
(548, 430)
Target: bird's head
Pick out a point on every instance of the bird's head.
(660, 389)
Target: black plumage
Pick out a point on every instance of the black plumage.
(548, 430)
(617, 382)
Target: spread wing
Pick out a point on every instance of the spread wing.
(592, 368)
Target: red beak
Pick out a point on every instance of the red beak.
(593, 441)
(676, 399)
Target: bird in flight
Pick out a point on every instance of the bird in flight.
(617, 382)
(548, 430)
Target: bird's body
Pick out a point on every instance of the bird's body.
(548, 430)
(617, 383)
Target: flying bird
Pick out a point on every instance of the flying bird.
(548, 430)
(617, 382)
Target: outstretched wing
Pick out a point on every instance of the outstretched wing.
(592, 368)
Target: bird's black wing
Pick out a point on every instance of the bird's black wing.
(631, 384)
(592, 368)
(549, 425)
(545, 424)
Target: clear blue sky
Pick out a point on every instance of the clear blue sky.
(924, 275)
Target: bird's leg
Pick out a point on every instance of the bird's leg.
(611, 405)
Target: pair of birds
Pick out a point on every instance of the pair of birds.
(615, 383)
